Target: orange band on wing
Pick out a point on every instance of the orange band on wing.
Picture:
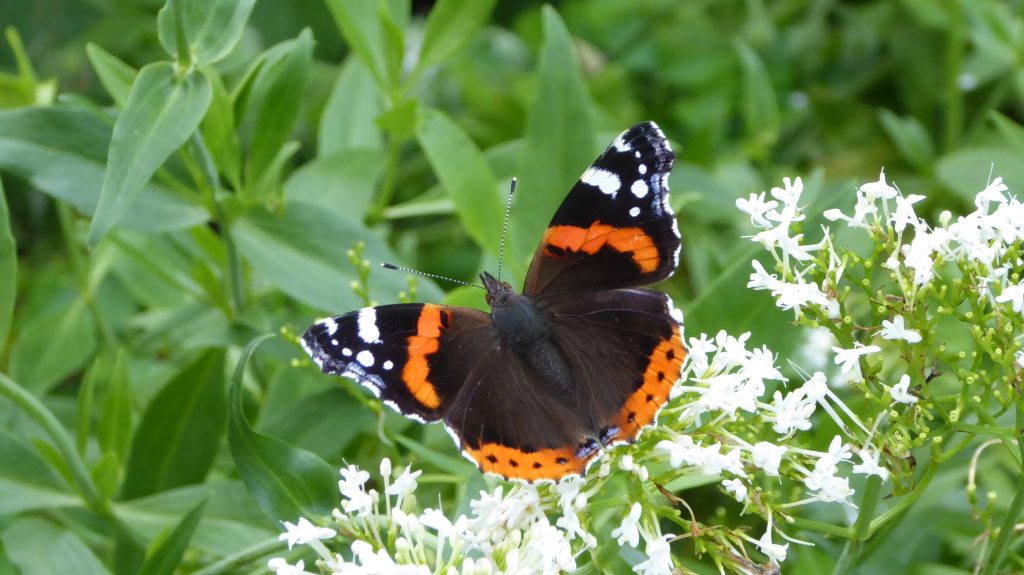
(417, 371)
(632, 241)
(512, 463)
(662, 372)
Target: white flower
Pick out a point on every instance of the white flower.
(879, 189)
(761, 279)
(768, 456)
(758, 209)
(776, 553)
(905, 212)
(1013, 294)
(1019, 356)
(281, 567)
(791, 413)
(355, 500)
(895, 330)
(385, 468)
(405, 483)
(850, 358)
(992, 193)
(659, 557)
(869, 465)
(304, 532)
(436, 520)
(628, 531)
(901, 391)
(737, 488)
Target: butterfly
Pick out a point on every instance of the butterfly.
(582, 359)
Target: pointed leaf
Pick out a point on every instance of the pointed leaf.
(559, 138)
(466, 175)
(180, 430)
(286, 482)
(116, 76)
(348, 120)
(450, 26)
(39, 547)
(361, 26)
(30, 484)
(115, 426)
(343, 182)
(166, 558)
(163, 111)
(8, 271)
(53, 346)
(212, 27)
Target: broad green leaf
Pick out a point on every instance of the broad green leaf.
(1011, 130)
(450, 26)
(286, 482)
(360, 24)
(968, 171)
(179, 433)
(759, 106)
(559, 139)
(211, 27)
(40, 547)
(116, 76)
(312, 422)
(348, 119)
(163, 111)
(62, 151)
(165, 559)
(313, 267)
(465, 174)
(343, 182)
(219, 134)
(30, 484)
(232, 521)
(911, 139)
(115, 425)
(274, 102)
(8, 271)
(53, 346)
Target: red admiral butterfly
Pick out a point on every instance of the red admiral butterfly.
(581, 359)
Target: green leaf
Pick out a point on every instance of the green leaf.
(62, 151)
(1012, 131)
(180, 430)
(286, 482)
(39, 547)
(343, 182)
(116, 76)
(312, 421)
(165, 559)
(212, 27)
(232, 521)
(911, 139)
(760, 109)
(559, 138)
(163, 110)
(219, 134)
(361, 25)
(53, 346)
(84, 404)
(115, 425)
(466, 175)
(968, 171)
(274, 102)
(348, 119)
(30, 484)
(8, 271)
(450, 26)
(106, 473)
(312, 267)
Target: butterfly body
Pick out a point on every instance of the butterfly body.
(583, 358)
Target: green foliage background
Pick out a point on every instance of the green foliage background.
(177, 183)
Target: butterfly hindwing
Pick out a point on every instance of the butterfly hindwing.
(615, 229)
(413, 356)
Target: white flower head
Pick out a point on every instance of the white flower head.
(848, 359)
(758, 209)
(280, 566)
(629, 530)
(405, 483)
(659, 557)
(904, 214)
(737, 488)
(776, 553)
(304, 532)
(879, 189)
(767, 456)
(901, 391)
(869, 465)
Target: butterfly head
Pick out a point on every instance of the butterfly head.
(499, 293)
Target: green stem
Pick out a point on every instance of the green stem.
(387, 190)
(31, 405)
(81, 270)
(242, 558)
(905, 503)
(826, 528)
(1016, 506)
(180, 38)
(862, 528)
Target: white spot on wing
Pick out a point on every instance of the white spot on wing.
(637, 153)
(603, 180)
(620, 144)
(368, 331)
(365, 357)
(639, 188)
(346, 352)
(634, 211)
(643, 169)
(388, 364)
(334, 342)
(330, 325)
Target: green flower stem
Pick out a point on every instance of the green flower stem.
(1016, 506)
(826, 528)
(244, 557)
(1008, 441)
(81, 269)
(985, 429)
(31, 405)
(861, 530)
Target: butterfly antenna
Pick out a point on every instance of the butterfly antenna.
(504, 228)
(386, 265)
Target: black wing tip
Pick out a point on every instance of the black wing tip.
(650, 136)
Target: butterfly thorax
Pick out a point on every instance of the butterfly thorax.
(523, 328)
